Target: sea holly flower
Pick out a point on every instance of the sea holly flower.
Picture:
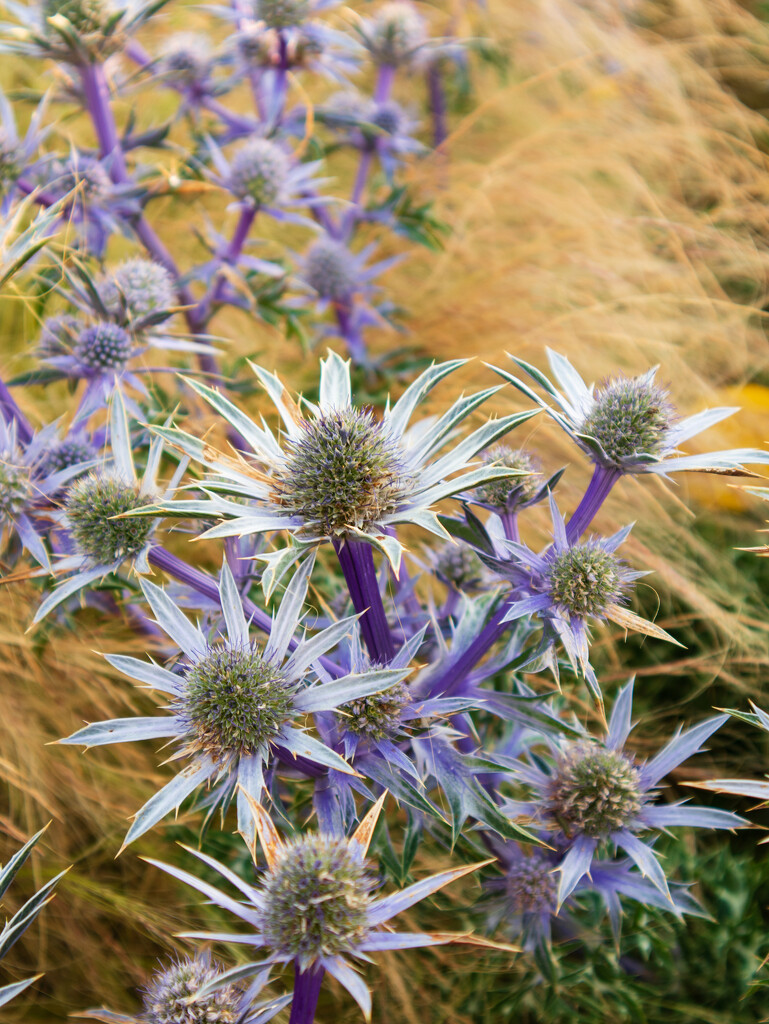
(169, 998)
(187, 59)
(234, 703)
(32, 475)
(138, 288)
(568, 585)
(15, 926)
(99, 538)
(524, 901)
(314, 907)
(341, 472)
(595, 794)
(626, 425)
(394, 35)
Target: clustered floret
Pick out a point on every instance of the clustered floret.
(459, 565)
(104, 346)
(258, 171)
(585, 579)
(631, 417)
(316, 898)
(396, 33)
(531, 886)
(497, 492)
(141, 286)
(14, 487)
(594, 791)
(91, 505)
(344, 471)
(63, 455)
(165, 998)
(235, 702)
(329, 268)
(377, 716)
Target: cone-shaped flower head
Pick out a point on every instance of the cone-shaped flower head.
(316, 897)
(259, 171)
(530, 884)
(100, 535)
(458, 565)
(104, 346)
(568, 585)
(186, 57)
(64, 455)
(628, 424)
(379, 716)
(15, 488)
(91, 505)
(167, 997)
(517, 492)
(234, 703)
(341, 472)
(140, 286)
(331, 269)
(595, 793)
(315, 903)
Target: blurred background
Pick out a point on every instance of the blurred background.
(605, 184)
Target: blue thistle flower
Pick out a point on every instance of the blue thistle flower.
(394, 35)
(628, 424)
(315, 904)
(341, 472)
(567, 585)
(138, 288)
(233, 704)
(104, 346)
(593, 794)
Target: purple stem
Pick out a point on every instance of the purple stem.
(11, 410)
(306, 992)
(229, 257)
(601, 483)
(281, 82)
(356, 559)
(203, 584)
(384, 83)
(510, 525)
(97, 98)
(437, 101)
(350, 331)
(457, 673)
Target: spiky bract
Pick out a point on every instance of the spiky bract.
(594, 791)
(329, 268)
(258, 171)
(104, 346)
(11, 160)
(316, 898)
(343, 471)
(631, 417)
(281, 13)
(165, 998)
(378, 715)
(530, 885)
(235, 703)
(142, 286)
(90, 505)
(585, 579)
(497, 492)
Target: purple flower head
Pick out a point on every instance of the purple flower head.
(513, 494)
(524, 900)
(187, 60)
(234, 703)
(136, 289)
(593, 794)
(628, 424)
(567, 586)
(315, 904)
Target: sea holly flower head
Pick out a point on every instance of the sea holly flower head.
(259, 171)
(96, 532)
(234, 703)
(104, 346)
(394, 34)
(167, 997)
(569, 584)
(593, 794)
(341, 472)
(331, 269)
(628, 424)
(315, 903)
(512, 494)
(137, 288)
(459, 566)
(186, 59)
